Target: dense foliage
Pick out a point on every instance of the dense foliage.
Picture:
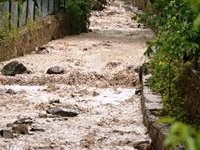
(183, 134)
(176, 44)
(177, 24)
(79, 12)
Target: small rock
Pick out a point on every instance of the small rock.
(6, 134)
(28, 71)
(28, 121)
(72, 95)
(95, 94)
(41, 50)
(138, 91)
(143, 145)
(62, 112)
(13, 68)
(36, 129)
(55, 70)
(77, 63)
(139, 26)
(54, 101)
(41, 115)
(138, 69)
(85, 49)
(11, 92)
(20, 129)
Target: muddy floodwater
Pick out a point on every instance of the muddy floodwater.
(99, 83)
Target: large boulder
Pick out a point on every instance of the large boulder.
(13, 68)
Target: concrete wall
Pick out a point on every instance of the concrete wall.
(42, 31)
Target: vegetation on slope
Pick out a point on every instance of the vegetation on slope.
(177, 24)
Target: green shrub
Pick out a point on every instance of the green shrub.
(79, 13)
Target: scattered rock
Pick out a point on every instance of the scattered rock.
(11, 92)
(27, 121)
(62, 112)
(77, 63)
(138, 91)
(145, 145)
(95, 94)
(106, 43)
(36, 129)
(6, 134)
(20, 129)
(85, 49)
(41, 50)
(55, 70)
(112, 65)
(139, 26)
(54, 101)
(41, 115)
(13, 68)
(138, 69)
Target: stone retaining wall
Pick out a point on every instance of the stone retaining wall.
(150, 104)
(37, 34)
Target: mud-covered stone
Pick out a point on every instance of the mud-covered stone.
(62, 112)
(13, 68)
(55, 70)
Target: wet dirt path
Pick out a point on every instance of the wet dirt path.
(99, 83)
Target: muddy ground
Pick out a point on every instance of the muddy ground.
(99, 83)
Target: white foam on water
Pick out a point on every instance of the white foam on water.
(109, 96)
(33, 93)
(37, 94)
